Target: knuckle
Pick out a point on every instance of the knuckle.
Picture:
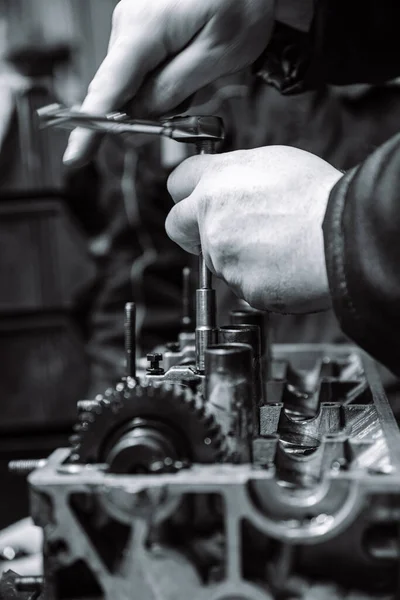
(175, 180)
(117, 13)
(206, 195)
(171, 224)
(171, 183)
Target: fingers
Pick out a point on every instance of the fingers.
(182, 225)
(31, 565)
(190, 70)
(183, 181)
(23, 534)
(118, 78)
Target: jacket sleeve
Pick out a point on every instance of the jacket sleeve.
(362, 249)
(350, 41)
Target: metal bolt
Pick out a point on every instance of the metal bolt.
(74, 439)
(24, 467)
(154, 358)
(186, 321)
(205, 147)
(130, 339)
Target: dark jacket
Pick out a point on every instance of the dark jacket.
(354, 41)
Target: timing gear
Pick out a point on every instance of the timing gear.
(132, 428)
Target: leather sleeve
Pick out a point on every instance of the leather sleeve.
(362, 249)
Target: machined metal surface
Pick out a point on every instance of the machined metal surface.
(325, 485)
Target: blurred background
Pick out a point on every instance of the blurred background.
(48, 49)
(75, 246)
(70, 21)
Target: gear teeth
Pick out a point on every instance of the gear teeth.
(213, 430)
(87, 406)
(104, 401)
(170, 387)
(188, 395)
(201, 416)
(191, 404)
(87, 417)
(116, 406)
(208, 419)
(175, 403)
(83, 426)
(74, 439)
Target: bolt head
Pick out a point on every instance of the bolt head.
(154, 356)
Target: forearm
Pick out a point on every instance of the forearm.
(362, 249)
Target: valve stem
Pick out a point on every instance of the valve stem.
(130, 339)
(205, 315)
(205, 295)
(186, 321)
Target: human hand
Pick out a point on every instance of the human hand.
(257, 217)
(23, 538)
(163, 51)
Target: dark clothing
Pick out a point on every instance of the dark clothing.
(352, 42)
(362, 248)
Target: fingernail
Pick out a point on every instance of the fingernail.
(69, 154)
(73, 151)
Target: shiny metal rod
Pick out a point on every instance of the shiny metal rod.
(130, 339)
(206, 334)
(186, 320)
(205, 317)
(205, 278)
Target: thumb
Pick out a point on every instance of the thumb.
(182, 225)
(184, 179)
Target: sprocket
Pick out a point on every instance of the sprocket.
(146, 424)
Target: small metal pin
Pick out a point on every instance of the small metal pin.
(186, 321)
(130, 339)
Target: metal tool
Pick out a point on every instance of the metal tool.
(203, 131)
(186, 129)
(205, 295)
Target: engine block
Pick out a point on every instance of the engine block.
(313, 505)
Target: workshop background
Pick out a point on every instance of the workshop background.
(75, 246)
(47, 48)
